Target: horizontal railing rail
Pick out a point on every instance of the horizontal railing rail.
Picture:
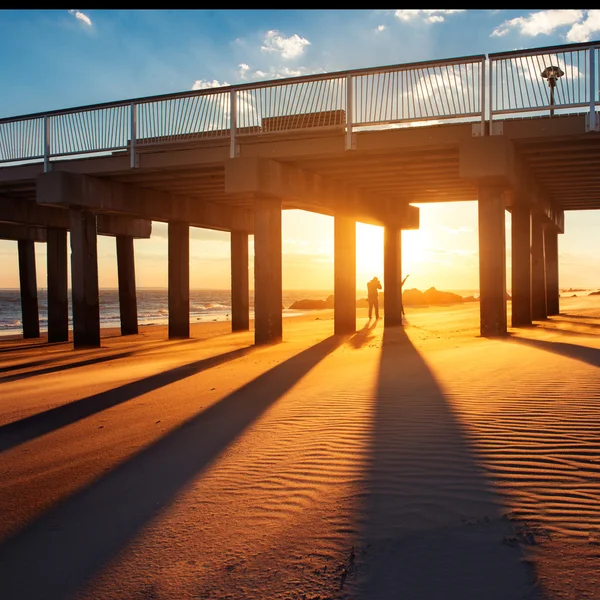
(445, 90)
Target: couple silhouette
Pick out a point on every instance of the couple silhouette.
(373, 288)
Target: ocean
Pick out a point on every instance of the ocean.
(205, 305)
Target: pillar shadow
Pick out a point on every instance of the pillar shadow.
(57, 368)
(433, 525)
(24, 430)
(71, 364)
(573, 321)
(70, 543)
(364, 335)
(581, 353)
(38, 344)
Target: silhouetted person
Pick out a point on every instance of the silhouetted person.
(401, 302)
(373, 296)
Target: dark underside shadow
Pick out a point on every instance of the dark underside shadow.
(53, 556)
(433, 524)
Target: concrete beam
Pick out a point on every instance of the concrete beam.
(101, 195)
(298, 188)
(487, 161)
(120, 226)
(12, 231)
(24, 212)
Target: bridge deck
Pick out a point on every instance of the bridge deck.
(402, 164)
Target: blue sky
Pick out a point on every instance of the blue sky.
(62, 58)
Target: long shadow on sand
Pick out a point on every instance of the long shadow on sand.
(57, 368)
(55, 555)
(581, 353)
(71, 364)
(433, 525)
(19, 432)
(364, 335)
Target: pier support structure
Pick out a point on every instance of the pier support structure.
(344, 274)
(179, 280)
(551, 255)
(268, 325)
(521, 264)
(127, 292)
(58, 293)
(392, 276)
(26, 236)
(84, 278)
(240, 291)
(539, 310)
(492, 262)
(28, 284)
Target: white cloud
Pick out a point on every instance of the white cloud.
(81, 17)
(281, 72)
(290, 47)
(588, 29)
(380, 27)
(542, 22)
(243, 69)
(433, 16)
(204, 84)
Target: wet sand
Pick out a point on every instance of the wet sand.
(417, 463)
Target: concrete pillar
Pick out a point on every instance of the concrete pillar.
(240, 291)
(344, 275)
(551, 254)
(84, 278)
(28, 283)
(58, 292)
(179, 280)
(127, 294)
(268, 326)
(538, 270)
(492, 262)
(521, 264)
(392, 276)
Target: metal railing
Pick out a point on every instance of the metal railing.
(519, 82)
(446, 90)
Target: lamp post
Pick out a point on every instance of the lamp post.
(551, 75)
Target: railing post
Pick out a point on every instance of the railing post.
(233, 122)
(482, 85)
(490, 94)
(349, 111)
(592, 89)
(133, 112)
(46, 143)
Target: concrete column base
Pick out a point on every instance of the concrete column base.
(84, 279)
(268, 297)
(58, 292)
(127, 292)
(344, 276)
(240, 291)
(492, 262)
(392, 276)
(521, 265)
(179, 280)
(28, 284)
(538, 270)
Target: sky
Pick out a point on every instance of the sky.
(56, 59)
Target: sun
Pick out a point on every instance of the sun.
(369, 251)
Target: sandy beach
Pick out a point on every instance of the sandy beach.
(418, 463)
